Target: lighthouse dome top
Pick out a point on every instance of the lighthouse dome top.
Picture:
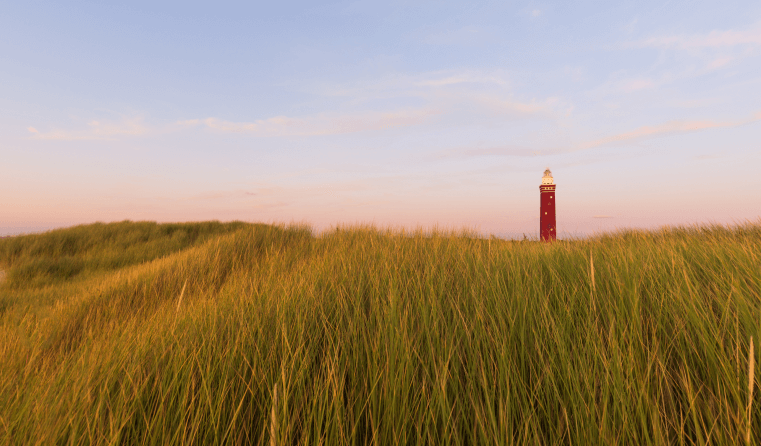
(547, 178)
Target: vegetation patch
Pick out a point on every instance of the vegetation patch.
(217, 333)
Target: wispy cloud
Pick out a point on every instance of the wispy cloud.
(461, 36)
(631, 26)
(714, 50)
(322, 124)
(463, 96)
(464, 152)
(188, 123)
(460, 78)
(96, 130)
(671, 127)
(622, 84)
(630, 85)
(509, 106)
(626, 85)
(719, 62)
(441, 94)
(714, 39)
(333, 124)
(461, 107)
(544, 148)
(420, 85)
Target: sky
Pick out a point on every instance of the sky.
(400, 114)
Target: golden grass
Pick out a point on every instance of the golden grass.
(215, 333)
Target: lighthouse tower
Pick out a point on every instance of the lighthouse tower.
(547, 229)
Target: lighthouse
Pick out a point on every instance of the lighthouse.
(547, 229)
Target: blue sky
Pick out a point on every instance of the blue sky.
(394, 113)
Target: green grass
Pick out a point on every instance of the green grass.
(138, 333)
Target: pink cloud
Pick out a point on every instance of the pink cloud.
(714, 39)
(670, 127)
(188, 122)
(637, 84)
(720, 62)
(97, 130)
(324, 124)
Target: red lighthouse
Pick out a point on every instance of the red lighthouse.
(547, 229)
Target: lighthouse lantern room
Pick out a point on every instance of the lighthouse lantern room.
(547, 227)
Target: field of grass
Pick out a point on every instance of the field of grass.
(237, 333)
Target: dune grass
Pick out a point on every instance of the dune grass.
(211, 333)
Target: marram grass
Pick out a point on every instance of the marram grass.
(211, 333)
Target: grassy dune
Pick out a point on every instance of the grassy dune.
(210, 333)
